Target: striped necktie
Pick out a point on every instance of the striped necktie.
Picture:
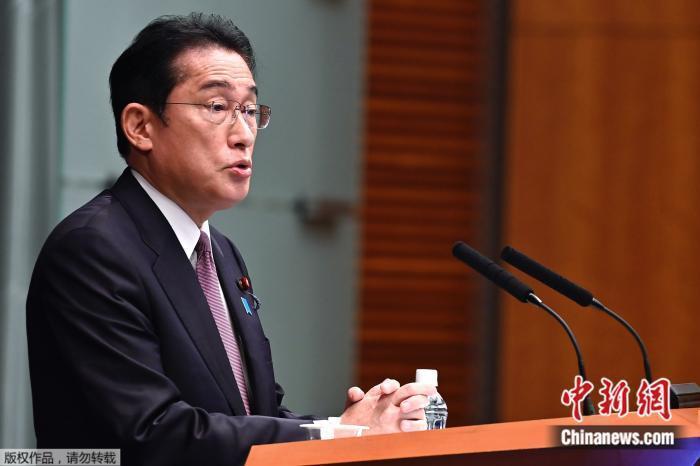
(209, 281)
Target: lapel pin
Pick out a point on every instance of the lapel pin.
(245, 287)
(247, 306)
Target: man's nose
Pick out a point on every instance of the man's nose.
(240, 133)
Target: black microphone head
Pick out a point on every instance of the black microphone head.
(553, 280)
(492, 271)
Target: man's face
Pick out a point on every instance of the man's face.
(202, 166)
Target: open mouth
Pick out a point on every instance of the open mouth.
(242, 168)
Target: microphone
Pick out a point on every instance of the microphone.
(521, 292)
(572, 291)
(492, 271)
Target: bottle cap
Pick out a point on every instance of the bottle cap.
(427, 376)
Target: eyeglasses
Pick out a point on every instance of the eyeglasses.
(256, 116)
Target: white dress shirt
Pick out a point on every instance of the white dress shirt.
(184, 227)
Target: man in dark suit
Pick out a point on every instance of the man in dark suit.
(142, 326)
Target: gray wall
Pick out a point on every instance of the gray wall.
(310, 72)
(30, 51)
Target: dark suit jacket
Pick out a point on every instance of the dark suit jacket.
(124, 352)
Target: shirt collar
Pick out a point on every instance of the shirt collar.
(184, 227)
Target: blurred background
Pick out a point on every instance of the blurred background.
(565, 128)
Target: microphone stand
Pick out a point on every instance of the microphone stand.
(647, 370)
(588, 408)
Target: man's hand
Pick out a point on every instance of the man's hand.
(355, 394)
(388, 407)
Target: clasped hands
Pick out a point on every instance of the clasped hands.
(388, 407)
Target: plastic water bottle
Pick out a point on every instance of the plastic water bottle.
(436, 411)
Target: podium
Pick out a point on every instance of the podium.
(523, 443)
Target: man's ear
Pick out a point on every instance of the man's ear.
(137, 124)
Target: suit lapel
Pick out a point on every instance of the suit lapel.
(249, 328)
(179, 281)
(190, 304)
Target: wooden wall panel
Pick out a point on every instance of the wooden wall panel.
(602, 185)
(426, 113)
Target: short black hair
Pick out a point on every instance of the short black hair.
(145, 72)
